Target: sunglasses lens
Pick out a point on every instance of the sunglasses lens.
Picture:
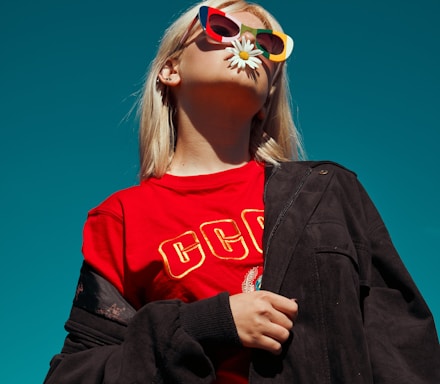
(223, 26)
(270, 43)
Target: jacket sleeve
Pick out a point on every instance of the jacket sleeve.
(400, 329)
(109, 342)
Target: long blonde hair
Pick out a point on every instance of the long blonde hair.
(274, 138)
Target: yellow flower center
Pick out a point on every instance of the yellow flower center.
(244, 55)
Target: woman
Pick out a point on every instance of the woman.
(196, 275)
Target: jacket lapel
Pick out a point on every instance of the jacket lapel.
(292, 192)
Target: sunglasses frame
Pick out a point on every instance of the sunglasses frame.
(205, 12)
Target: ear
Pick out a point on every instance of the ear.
(169, 74)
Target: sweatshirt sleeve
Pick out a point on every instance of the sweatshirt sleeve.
(400, 329)
(103, 241)
(109, 342)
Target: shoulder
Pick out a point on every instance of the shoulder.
(322, 167)
(115, 202)
(312, 176)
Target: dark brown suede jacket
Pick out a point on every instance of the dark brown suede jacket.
(361, 318)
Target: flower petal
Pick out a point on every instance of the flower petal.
(243, 48)
(255, 60)
(255, 52)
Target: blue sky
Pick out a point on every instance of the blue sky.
(365, 84)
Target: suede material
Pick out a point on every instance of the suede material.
(361, 318)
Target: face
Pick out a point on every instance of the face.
(205, 71)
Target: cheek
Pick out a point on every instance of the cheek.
(197, 62)
(271, 71)
(270, 68)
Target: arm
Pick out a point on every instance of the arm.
(400, 329)
(108, 342)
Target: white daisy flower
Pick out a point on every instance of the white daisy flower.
(244, 54)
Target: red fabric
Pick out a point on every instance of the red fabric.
(182, 237)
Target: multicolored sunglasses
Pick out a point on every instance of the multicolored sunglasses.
(224, 28)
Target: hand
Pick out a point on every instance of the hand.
(263, 319)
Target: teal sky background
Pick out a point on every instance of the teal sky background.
(365, 83)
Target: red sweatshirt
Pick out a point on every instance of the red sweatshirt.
(183, 237)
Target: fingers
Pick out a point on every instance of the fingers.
(289, 307)
(278, 309)
(263, 319)
(274, 337)
(271, 345)
(282, 319)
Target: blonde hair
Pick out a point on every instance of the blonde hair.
(274, 137)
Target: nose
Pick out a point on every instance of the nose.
(249, 36)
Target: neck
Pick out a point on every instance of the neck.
(210, 140)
